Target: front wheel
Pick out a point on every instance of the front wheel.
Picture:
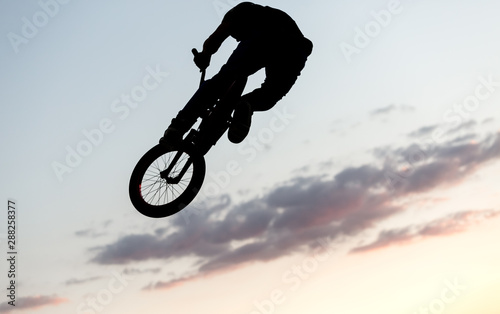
(165, 180)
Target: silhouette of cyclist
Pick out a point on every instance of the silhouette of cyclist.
(268, 38)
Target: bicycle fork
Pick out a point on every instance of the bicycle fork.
(165, 174)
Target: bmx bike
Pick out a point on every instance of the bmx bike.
(168, 177)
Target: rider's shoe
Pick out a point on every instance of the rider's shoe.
(174, 133)
(240, 124)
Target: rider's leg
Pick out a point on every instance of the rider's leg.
(246, 59)
(177, 128)
(282, 72)
(240, 124)
(274, 88)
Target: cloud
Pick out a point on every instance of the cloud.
(447, 164)
(383, 110)
(465, 138)
(423, 131)
(31, 302)
(90, 233)
(488, 120)
(450, 131)
(462, 126)
(74, 281)
(391, 108)
(136, 271)
(167, 284)
(161, 231)
(451, 224)
(291, 215)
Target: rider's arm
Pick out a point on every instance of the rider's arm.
(215, 40)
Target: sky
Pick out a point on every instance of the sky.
(372, 187)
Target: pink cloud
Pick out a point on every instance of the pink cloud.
(289, 217)
(32, 302)
(444, 226)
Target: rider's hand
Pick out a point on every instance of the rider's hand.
(202, 59)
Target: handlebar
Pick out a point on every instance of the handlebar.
(195, 54)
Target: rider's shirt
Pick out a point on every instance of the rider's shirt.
(252, 21)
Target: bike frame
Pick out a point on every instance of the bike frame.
(215, 122)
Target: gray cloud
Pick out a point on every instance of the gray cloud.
(75, 281)
(391, 108)
(136, 271)
(167, 284)
(93, 232)
(383, 110)
(453, 223)
(90, 233)
(428, 167)
(462, 127)
(488, 120)
(453, 134)
(31, 302)
(423, 131)
(465, 138)
(291, 215)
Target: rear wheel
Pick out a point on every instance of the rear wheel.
(165, 180)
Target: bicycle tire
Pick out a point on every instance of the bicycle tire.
(146, 172)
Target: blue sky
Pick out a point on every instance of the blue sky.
(386, 158)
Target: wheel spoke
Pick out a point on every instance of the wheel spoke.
(155, 190)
